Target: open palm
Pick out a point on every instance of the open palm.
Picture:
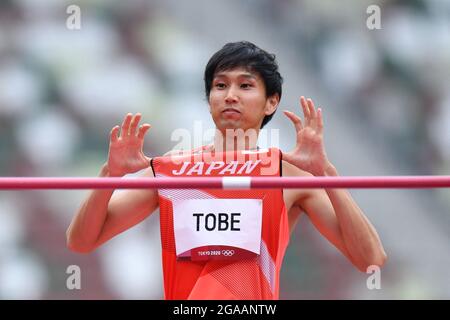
(309, 152)
(125, 147)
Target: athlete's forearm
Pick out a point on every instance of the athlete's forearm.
(88, 222)
(360, 237)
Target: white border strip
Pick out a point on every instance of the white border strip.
(236, 182)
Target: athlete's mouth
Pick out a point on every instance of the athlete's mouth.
(230, 110)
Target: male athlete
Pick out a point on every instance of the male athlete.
(228, 244)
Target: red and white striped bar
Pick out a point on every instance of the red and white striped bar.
(355, 182)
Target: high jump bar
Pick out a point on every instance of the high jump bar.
(230, 182)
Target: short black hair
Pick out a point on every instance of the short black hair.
(248, 55)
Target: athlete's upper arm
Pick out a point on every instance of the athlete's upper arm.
(319, 209)
(317, 206)
(127, 208)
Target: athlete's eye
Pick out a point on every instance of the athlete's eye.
(246, 85)
(220, 85)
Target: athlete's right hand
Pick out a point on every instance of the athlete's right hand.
(125, 148)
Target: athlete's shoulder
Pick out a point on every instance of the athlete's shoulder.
(289, 170)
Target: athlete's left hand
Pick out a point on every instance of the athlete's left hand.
(309, 152)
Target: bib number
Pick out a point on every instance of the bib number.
(207, 229)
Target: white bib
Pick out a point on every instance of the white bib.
(219, 223)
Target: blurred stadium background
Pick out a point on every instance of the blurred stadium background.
(385, 95)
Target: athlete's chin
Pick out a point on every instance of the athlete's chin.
(227, 124)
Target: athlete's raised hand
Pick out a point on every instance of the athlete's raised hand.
(125, 147)
(309, 152)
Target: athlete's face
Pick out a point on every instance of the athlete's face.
(238, 100)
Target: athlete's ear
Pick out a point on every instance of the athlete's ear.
(272, 104)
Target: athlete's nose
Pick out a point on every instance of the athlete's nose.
(231, 96)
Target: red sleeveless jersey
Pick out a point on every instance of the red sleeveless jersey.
(250, 278)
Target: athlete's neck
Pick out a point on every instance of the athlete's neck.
(235, 140)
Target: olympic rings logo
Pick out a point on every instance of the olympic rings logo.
(227, 253)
